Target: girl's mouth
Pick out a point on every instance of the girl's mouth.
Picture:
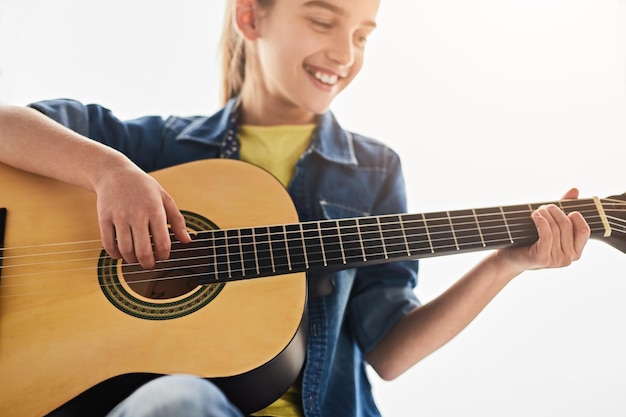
(322, 76)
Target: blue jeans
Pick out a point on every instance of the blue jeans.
(176, 396)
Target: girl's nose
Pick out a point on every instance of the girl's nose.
(341, 50)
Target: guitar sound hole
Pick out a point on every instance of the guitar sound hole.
(171, 278)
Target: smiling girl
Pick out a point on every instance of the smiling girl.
(284, 62)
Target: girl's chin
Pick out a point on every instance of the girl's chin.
(318, 107)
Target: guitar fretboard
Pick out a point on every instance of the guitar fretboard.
(234, 254)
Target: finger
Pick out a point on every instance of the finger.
(563, 229)
(179, 229)
(176, 220)
(107, 234)
(582, 232)
(161, 241)
(550, 251)
(143, 246)
(544, 243)
(125, 245)
(572, 194)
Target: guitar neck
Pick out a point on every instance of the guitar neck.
(234, 254)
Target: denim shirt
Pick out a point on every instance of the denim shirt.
(342, 174)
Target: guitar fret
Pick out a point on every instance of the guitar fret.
(248, 252)
(442, 237)
(228, 271)
(256, 255)
(306, 258)
(466, 230)
(296, 246)
(203, 240)
(480, 231)
(319, 232)
(243, 269)
(358, 224)
(382, 238)
(521, 227)
(331, 241)
(372, 238)
(269, 240)
(415, 235)
(350, 240)
(287, 248)
(394, 237)
(221, 254)
(430, 241)
(339, 236)
(215, 264)
(456, 241)
(265, 258)
(506, 224)
(314, 244)
(231, 235)
(277, 248)
(495, 234)
(406, 242)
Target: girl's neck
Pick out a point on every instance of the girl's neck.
(263, 109)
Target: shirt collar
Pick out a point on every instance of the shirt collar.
(330, 140)
(210, 130)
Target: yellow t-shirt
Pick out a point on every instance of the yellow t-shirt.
(277, 149)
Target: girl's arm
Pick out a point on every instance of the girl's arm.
(133, 209)
(561, 241)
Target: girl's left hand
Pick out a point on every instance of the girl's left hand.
(562, 238)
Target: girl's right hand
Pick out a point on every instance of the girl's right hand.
(133, 213)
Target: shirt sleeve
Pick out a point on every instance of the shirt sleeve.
(142, 139)
(383, 294)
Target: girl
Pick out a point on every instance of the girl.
(284, 62)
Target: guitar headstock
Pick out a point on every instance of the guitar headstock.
(615, 211)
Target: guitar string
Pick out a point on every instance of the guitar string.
(158, 279)
(431, 219)
(203, 274)
(401, 216)
(226, 237)
(406, 225)
(410, 237)
(187, 276)
(152, 280)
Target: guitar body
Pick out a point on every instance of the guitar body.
(70, 320)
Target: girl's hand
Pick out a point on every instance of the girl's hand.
(134, 212)
(561, 239)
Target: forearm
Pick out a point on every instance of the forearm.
(432, 325)
(562, 238)
(32, 142)
(133, 209)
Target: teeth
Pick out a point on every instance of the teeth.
(325, 78)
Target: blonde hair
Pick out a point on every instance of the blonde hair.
(233, 51)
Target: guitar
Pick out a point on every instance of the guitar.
(76, 325)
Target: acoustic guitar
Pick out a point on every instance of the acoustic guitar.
(79, 330)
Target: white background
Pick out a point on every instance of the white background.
(489, 102)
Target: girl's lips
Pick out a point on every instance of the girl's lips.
(323, 77)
